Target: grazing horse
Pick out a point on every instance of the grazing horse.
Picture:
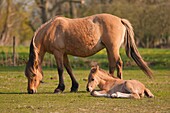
(115, 87)
(80, 37)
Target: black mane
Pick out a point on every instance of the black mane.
(32, 55)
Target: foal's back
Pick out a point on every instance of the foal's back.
(134, 85)
(127, 86)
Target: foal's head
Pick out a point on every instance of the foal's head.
(93, 79)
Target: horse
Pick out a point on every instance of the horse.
(81, 37)
(115, 87)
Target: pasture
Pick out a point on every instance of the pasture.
(14, 97)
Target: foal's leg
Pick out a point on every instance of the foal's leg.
(75, 85)
(121, 95)
(148, 93)
(129, 88)
(102, 93)
(59, 61)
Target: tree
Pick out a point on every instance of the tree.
(150, 18)
(4, 31)
(13, 22)
(51, 8)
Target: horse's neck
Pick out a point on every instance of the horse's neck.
(40, 55)
(38, 40)
(37, 51)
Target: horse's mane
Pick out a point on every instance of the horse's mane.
(33, 56)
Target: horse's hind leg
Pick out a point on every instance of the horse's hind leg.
(115, 62)
(119, 66)
(75, 85)
(113, 40)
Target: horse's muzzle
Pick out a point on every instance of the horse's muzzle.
(31, 91)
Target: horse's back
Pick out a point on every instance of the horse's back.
(82, 37)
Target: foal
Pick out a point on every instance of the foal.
(115, 87)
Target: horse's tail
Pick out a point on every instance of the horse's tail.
(148, 93)
(131, 48)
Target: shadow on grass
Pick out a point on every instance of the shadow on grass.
(13, 93)
(75, 92)
(66, 92)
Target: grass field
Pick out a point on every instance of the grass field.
(14, 97)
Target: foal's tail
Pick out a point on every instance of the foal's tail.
(148, 93)
(131, 48)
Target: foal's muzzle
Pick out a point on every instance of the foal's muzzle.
(87, 89)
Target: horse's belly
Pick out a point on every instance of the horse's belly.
(84, 50)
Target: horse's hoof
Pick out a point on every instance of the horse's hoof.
(74, 87)
(58, 91)
(74, 90)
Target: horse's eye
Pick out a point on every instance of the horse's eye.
(92, 79)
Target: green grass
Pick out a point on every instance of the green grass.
(156, 58)
(14, 97)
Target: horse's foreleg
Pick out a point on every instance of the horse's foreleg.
(75, 85)
(59, 61)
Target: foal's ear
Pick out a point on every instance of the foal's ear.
(97, 67)
(94, 69)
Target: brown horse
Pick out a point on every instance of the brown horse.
(80, 37)
(115, 87)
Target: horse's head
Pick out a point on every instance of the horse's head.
(34, 74)
(93, 79)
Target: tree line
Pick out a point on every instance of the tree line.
(150, 18)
